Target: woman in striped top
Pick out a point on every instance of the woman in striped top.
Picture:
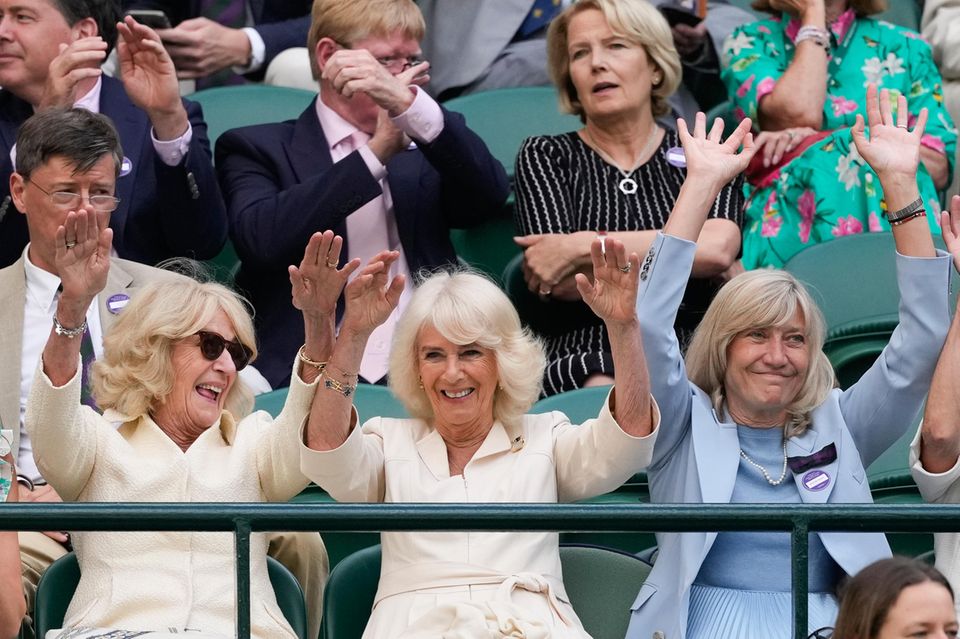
(614, 64)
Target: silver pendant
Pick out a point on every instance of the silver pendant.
(628, 186)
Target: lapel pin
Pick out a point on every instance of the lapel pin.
(126, 166)
(816, 480)
(116, 302)
(517, 444)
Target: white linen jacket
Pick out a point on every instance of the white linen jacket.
(166, 580)
(696, 456)
(545, 459)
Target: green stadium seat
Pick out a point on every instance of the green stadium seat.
(227, 108)
(59, 581)
(579, 405)
(504, 118)
(601, 583)
(488, 247)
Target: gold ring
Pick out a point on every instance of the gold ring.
(331, 264)
(625, 269)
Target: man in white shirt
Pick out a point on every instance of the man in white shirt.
(68, 159)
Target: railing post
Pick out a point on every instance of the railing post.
(800, 551)
(241, 536)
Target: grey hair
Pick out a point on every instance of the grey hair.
(81, 137)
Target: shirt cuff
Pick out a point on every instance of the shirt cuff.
(173, 151)
(258, 52)
(423, 121)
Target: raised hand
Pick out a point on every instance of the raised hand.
(83, 257)
(150, 78)
(318, 282)
(709, 159)
(78, 61)
(372, 295)
(613, 294)
(353, 71)
(892, 150)
(950, 227)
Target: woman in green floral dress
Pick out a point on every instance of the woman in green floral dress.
(801, 76)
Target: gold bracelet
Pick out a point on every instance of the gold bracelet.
(343, 372)
(344, 389)
(302, 356)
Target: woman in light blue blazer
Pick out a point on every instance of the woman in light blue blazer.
(753, 415)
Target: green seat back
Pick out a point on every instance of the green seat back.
(271, 402)
(60, 580)
(907, 544)
(906, 13)
(227, 108)
(601, 583)
(579, 405)
(488, 247)
(373, 400)
(503, 118)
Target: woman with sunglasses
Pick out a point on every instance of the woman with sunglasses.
(168, 379)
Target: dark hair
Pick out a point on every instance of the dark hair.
(860, 7)
(80, 136)
(867, 597)
(106, 13)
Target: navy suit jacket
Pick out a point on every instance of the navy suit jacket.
(281, 187)
(281, 23)
(165, 211)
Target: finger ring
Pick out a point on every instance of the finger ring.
(791, 134)
(331, 264)
(70, 245)
(625, 269)
(901, 126)
(544, 292)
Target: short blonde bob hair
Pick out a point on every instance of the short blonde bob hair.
(761, 299)
(467, 308)
(860, 7)
(636, 20)
(136, 373)
(347, 21)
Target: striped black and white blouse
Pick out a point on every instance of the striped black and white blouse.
(564, 186)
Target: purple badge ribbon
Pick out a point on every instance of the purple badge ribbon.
(824, 456)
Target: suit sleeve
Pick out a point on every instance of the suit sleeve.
(270, 221)
(353, 472)
(663, 280)
(285, 34)
(193, 217)
(886, 400)
(474, 185)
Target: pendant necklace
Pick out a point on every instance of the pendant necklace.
(627, 185)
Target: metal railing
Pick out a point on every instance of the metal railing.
(242, 519)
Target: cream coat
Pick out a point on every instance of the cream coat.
(166, 580)
(544, 460)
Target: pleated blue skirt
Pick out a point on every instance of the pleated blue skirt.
(750, 614)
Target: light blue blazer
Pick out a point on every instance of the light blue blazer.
(696, 456)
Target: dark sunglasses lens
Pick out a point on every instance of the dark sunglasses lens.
(212, 345)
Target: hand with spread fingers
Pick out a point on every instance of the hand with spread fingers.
(150, 78)
(892, 148)
(613, 294)
(318, 281)
(372, 296)
(708, 158)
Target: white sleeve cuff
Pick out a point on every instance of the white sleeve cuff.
(423, 121)
(173, 151)
(258, 52)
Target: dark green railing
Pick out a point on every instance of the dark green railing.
(242, 519)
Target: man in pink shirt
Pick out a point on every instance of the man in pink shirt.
(374, 158)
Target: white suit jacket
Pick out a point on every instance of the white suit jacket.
(161, 580)
(544, 460)
(696, 456)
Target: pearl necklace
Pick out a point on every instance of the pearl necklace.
(627, 185)
(766, 475)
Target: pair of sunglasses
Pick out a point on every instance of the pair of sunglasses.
(212, 346)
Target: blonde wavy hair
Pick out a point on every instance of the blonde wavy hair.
(467, 308)
(136, 373)
(636, 20)
(761, 299)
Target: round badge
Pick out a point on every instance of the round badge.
(675, 157)
(116, 302)
(816, 480)
(126, 166)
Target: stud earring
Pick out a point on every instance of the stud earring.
(420, 383)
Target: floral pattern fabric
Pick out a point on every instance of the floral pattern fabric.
(829, 190)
